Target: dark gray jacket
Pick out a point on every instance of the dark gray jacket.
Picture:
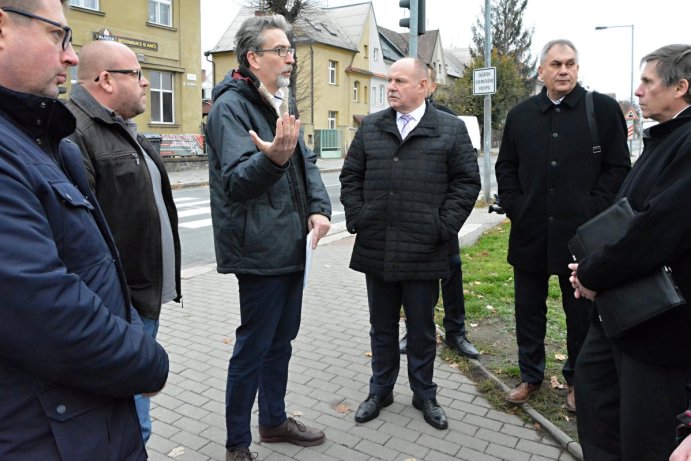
(407, 199)
(259, 210)
(117, 172)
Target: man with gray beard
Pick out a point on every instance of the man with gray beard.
(265, 198)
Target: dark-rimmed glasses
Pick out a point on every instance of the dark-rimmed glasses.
(137, 72)
(66, 31)
(282, 52)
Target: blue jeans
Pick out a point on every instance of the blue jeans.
(270, 309)
(141, 403)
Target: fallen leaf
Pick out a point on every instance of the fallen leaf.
(537, 426)
(227, 340)
(489, 307)
(343, 408)
(368, 354)
(297, 413)
(453, 365)
(560, 357)
(554, 382)
(474, 325)
(566, 417)
(410, 459)
(177, 451)
(477, 282)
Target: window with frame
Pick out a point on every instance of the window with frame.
(162, 97)
(332, 72)
(356, 91)
(332, 119)
(88, 4)
(374, 94)
(375, 54)
(366, 53)
(160, 12)
(382, 91)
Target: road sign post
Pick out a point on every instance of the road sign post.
(484, 81)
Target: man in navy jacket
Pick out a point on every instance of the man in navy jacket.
(72, 349)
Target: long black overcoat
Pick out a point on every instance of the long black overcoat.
(550, 181)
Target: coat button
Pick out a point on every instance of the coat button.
(557, 110)
(391, 193)
(395, 159)
(555, 135)
(61, 409)
(551, 219)
(553, 163)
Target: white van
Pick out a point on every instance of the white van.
(473, 131)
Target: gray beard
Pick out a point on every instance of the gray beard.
(283, 82)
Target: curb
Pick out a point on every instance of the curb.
(570, 445)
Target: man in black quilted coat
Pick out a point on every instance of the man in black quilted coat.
(408, 184)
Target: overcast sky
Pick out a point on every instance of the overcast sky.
(605, 55)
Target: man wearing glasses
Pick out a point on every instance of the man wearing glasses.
(129, 179)
(72, 349)
(265, 198)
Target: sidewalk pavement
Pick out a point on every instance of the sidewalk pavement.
(329, 374)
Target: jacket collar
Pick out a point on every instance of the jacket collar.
(94, 109)
(38, 116)
(664, 128)
(570, 100)
(426, 127)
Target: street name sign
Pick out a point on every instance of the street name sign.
(484, 81)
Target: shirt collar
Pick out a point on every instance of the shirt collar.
(415, 113)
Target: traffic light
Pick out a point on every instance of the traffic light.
(405, 22)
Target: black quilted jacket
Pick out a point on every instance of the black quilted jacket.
(407, 199)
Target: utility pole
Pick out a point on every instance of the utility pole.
(486, 146)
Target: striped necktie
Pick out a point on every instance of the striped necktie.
(405, 128)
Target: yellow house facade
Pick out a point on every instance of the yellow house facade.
(335, 52)
(166, 36)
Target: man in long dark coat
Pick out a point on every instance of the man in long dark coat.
(552, 177)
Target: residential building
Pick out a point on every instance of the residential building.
(166, 36)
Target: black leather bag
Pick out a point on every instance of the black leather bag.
(630, 304)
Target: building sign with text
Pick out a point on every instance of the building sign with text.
(104, 34)
(180, 145)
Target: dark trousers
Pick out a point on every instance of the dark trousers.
(626, 408)
(418, 299)
(531, 324)
(270, 308)
(453, 299)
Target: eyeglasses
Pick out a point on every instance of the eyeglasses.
(137, 72)
(65, 32)
(282, 52)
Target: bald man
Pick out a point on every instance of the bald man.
(129, 179)
(408, 184)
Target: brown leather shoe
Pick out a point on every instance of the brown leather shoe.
(570, 400)
(522, 392)
(292, 432)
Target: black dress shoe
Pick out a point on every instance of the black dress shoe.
(462, 346)
(369, 409)
(434, 415)
(403, 344)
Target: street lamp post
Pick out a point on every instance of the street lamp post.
(631, 94)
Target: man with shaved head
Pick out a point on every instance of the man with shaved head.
(408, 183)
(129, 179)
